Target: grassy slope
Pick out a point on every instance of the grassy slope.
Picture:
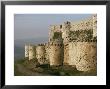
(27, 68)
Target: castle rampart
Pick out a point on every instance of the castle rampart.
(32, 52)
(66, 54)
(70, 43)
(85, 24)
(47, 53)
(26, 51)
(41, 53)
(94, 25)
(83, 55)
(56, 54)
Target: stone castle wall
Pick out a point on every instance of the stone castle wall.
(47, 53)
(85, 24)
(55, 54)
(66, 54)
(71, 43)
(95, 26)
(83, 55)
(32, 52)
(82, 25)
(40, 53)
(26, 51)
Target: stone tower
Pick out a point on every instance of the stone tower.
(32, 52)
(47, 53)
(26, 51)
(56, 49)
(65, 32)
(94, 25)
(70, 43)
(56, 53)
(66, 54)
(65, 35)
(40, 51)
(51, 32)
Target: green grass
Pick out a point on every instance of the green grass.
(16, 72)
(20, 61)
(54, 71)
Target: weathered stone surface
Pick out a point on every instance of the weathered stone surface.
(32, 52)
(83, 55)
(66, 27)
(66, 54)
(26, 51)
(70, 43)
(40, 54)
(56, 54)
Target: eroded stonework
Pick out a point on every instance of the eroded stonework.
(27, 51)
(70, 43)
(55, 54)
(40, 53)
(83, 55)
(32, 52)
(66, 54)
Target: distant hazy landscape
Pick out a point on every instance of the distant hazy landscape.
(20, 43)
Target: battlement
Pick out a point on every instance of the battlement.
(41, 44)
(77, 25)
(53, 44)
(84, 30)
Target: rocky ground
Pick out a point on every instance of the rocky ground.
(24, 67)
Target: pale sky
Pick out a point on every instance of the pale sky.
(28, 26)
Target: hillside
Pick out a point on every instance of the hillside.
(23, 67)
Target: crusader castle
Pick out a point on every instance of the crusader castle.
(70, 43)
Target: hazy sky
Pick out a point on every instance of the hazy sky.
(28, 26)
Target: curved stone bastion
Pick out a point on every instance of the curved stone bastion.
(40, 53)
(26, 51)
(83, 55)
(32, 52)
(56, 54)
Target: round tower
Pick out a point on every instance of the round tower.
(26, 51)
(47, 53)
(32, 52)
(56, 53)
(94, 25)
(51, 32)
(65, 31)
(40, 51)
(66, 54)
